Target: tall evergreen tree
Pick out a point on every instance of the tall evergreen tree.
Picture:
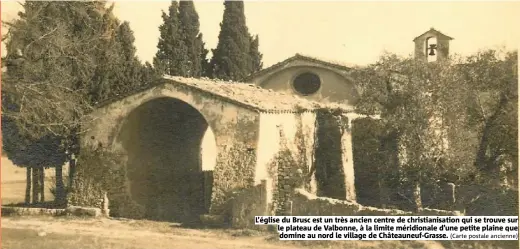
(205, 64)
(189, 23)
(129, 69)
(232, 59)
(105, 82)
(256, 56)
(172, 51)
(180, 48)
(231, 56)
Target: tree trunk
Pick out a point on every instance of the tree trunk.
(72, 171)
(42, 185)
(384, 193)
(417, 196)
(481, 160)
(36, 185)
(28, 185)
(60, 189)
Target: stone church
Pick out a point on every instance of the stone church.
(204, 147)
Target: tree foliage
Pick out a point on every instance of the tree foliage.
(443, 113)
(236, 55)
(192, 38)
(254, 53)
(181, 49)
(57, 56)
(62, 59)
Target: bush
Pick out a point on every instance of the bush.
(100, 171)
(498, 201)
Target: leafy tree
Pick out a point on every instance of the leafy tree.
(58, 58)
(435, 111)
(490, 78)
(233, 59)
(34, 155)
(413, 100)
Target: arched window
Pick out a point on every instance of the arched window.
(307, 83)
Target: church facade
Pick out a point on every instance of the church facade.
(290, 120)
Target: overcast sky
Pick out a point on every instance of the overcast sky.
(354, 32)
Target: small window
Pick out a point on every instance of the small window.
(307, 83)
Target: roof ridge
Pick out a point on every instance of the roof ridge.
(246, 95)
(433, 30)
(330, 63)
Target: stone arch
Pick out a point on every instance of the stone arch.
(162, 138)
(235, 126)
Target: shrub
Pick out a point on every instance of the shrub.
(100, 171)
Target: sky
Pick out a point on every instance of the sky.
(347, 31)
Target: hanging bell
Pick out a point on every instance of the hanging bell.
(432, 48)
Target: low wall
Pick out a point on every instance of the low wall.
(247, 204)
(71, 210)
(305, 203)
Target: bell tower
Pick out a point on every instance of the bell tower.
(432, 46)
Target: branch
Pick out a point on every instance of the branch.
(39, 39)
(481, 107)
(4, 37)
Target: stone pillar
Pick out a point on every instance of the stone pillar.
(313, 183)
(347, 159)
(451, 195)
(105, 209)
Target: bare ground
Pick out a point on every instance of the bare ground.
(74, 233)
(63, 233)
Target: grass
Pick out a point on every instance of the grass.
(23, 238)
(27, 239)
(87, 233)
(14, 238)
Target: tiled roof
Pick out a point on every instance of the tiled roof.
(246, 95)
(252, 96)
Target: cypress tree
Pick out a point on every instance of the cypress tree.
(172, 51)
(256, 56)
(129, 67)
(232, 59)
(181, 48)
(206, 70)
(190, 25)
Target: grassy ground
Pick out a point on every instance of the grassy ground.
(24, 233)
(75, 233)
(71, 232)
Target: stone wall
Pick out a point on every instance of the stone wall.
(285, 145)
(248, 203)
(153, 139)
(305, 203)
